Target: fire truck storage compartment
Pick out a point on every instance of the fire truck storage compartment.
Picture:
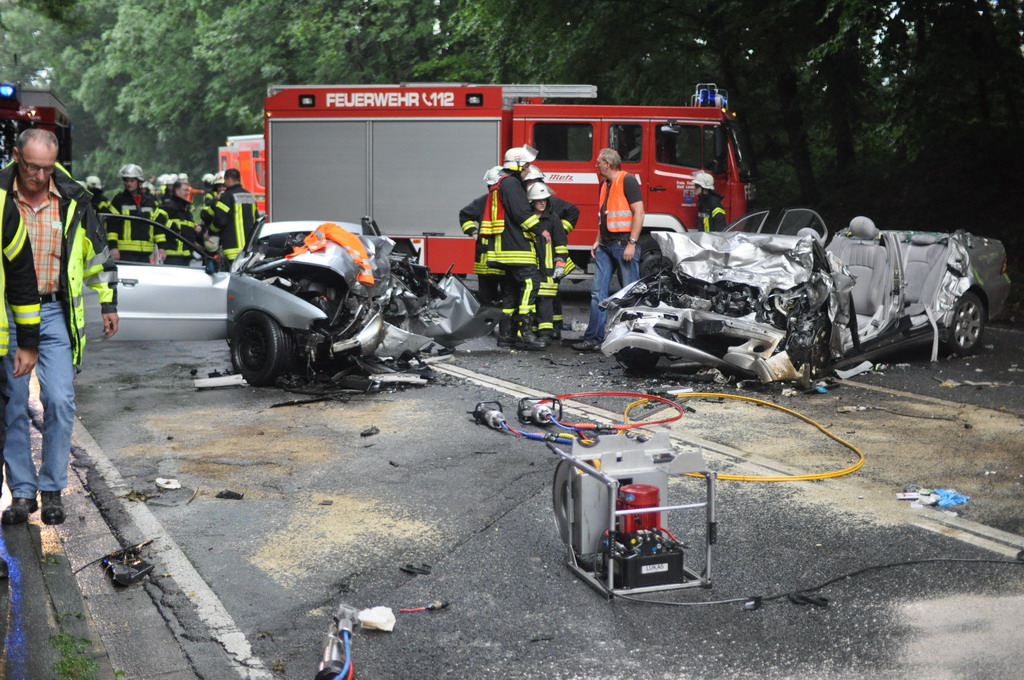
(399, 171)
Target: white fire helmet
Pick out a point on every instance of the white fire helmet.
(704, 179)
(492, 175)
(539, 192)
(533, 172)
(131, 171)
(218, 178)
(93, 182)
(519, 156)
(208, 178)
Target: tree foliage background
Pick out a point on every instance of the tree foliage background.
(908, 111)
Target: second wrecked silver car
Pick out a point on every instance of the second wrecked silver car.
(783, 307)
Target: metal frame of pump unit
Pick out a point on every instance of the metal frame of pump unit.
(653, 459)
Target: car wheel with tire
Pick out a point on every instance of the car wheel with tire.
(651, 259)
(968, 328)
(261, 350)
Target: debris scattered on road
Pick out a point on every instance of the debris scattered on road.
(435, 606)
(908, 496)
(134, 495)
(852, 409)
(377, 618)
(370, 431)
(327, 501)
(125, 566)
(165, 483)
(230, 495)
(423, 569)
(393, 463)
(231, 380)
(949, 498)
(862, 367)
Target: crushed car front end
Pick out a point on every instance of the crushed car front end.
(759, 305)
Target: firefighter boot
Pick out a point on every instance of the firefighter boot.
(526, 339)
(505, 337)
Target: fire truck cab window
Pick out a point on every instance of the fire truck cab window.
(679, 145)
(627, 139)
(563, 141)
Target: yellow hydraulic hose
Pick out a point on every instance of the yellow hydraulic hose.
(767, 478)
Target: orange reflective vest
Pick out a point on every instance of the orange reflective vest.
(328, 231)
(618, 216)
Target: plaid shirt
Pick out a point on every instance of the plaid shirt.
(45, 230)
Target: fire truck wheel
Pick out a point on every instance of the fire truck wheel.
(261, 350)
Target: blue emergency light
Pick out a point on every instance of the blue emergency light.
(8, 91)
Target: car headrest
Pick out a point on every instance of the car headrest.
(863, 228)
(924, 239)
(808, 231)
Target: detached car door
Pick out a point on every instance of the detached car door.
(171, 302)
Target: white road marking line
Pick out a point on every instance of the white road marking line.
(208, 606)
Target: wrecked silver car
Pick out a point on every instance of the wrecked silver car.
(780, 306)
(301, 298)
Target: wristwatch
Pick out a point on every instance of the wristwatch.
(631, 241)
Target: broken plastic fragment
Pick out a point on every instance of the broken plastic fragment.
(377, 618)
(230, 495)
(164, 483)
(370, 431)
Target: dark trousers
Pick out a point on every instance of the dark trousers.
(519, 289)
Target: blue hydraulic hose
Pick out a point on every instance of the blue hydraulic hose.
(536, 436)
(348, 656)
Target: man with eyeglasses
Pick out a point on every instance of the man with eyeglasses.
(621, 218)
(69, 250)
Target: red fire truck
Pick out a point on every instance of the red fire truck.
(412, 156)
(245, 153)
(21, 109)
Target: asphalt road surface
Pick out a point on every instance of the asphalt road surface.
(330, 513)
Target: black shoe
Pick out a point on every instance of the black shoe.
(586, 346)
(19, 511)
(53, 510)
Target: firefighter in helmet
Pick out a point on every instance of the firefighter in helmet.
(100, 202)
(567, 215)
(234, 215)
(710, 213)
(510, 221)
(213, 192)
(489, 278)
(134, 240)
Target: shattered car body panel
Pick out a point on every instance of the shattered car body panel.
(781, 307)
(755, 303)
(308, 312)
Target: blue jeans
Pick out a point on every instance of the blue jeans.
(607, 259)
(56, 374)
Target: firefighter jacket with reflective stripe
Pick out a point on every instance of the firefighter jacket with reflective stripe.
(617, 213)
(567, 212)
(234, 216)
(134, 236)
(328, 231)
(85, 259)
(206, 212)
(471, 217)
(177, 214)
(100, 202)
(710, 213)
(18, 285)
(509, 219)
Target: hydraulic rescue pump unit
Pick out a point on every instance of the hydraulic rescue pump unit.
(611, 501)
